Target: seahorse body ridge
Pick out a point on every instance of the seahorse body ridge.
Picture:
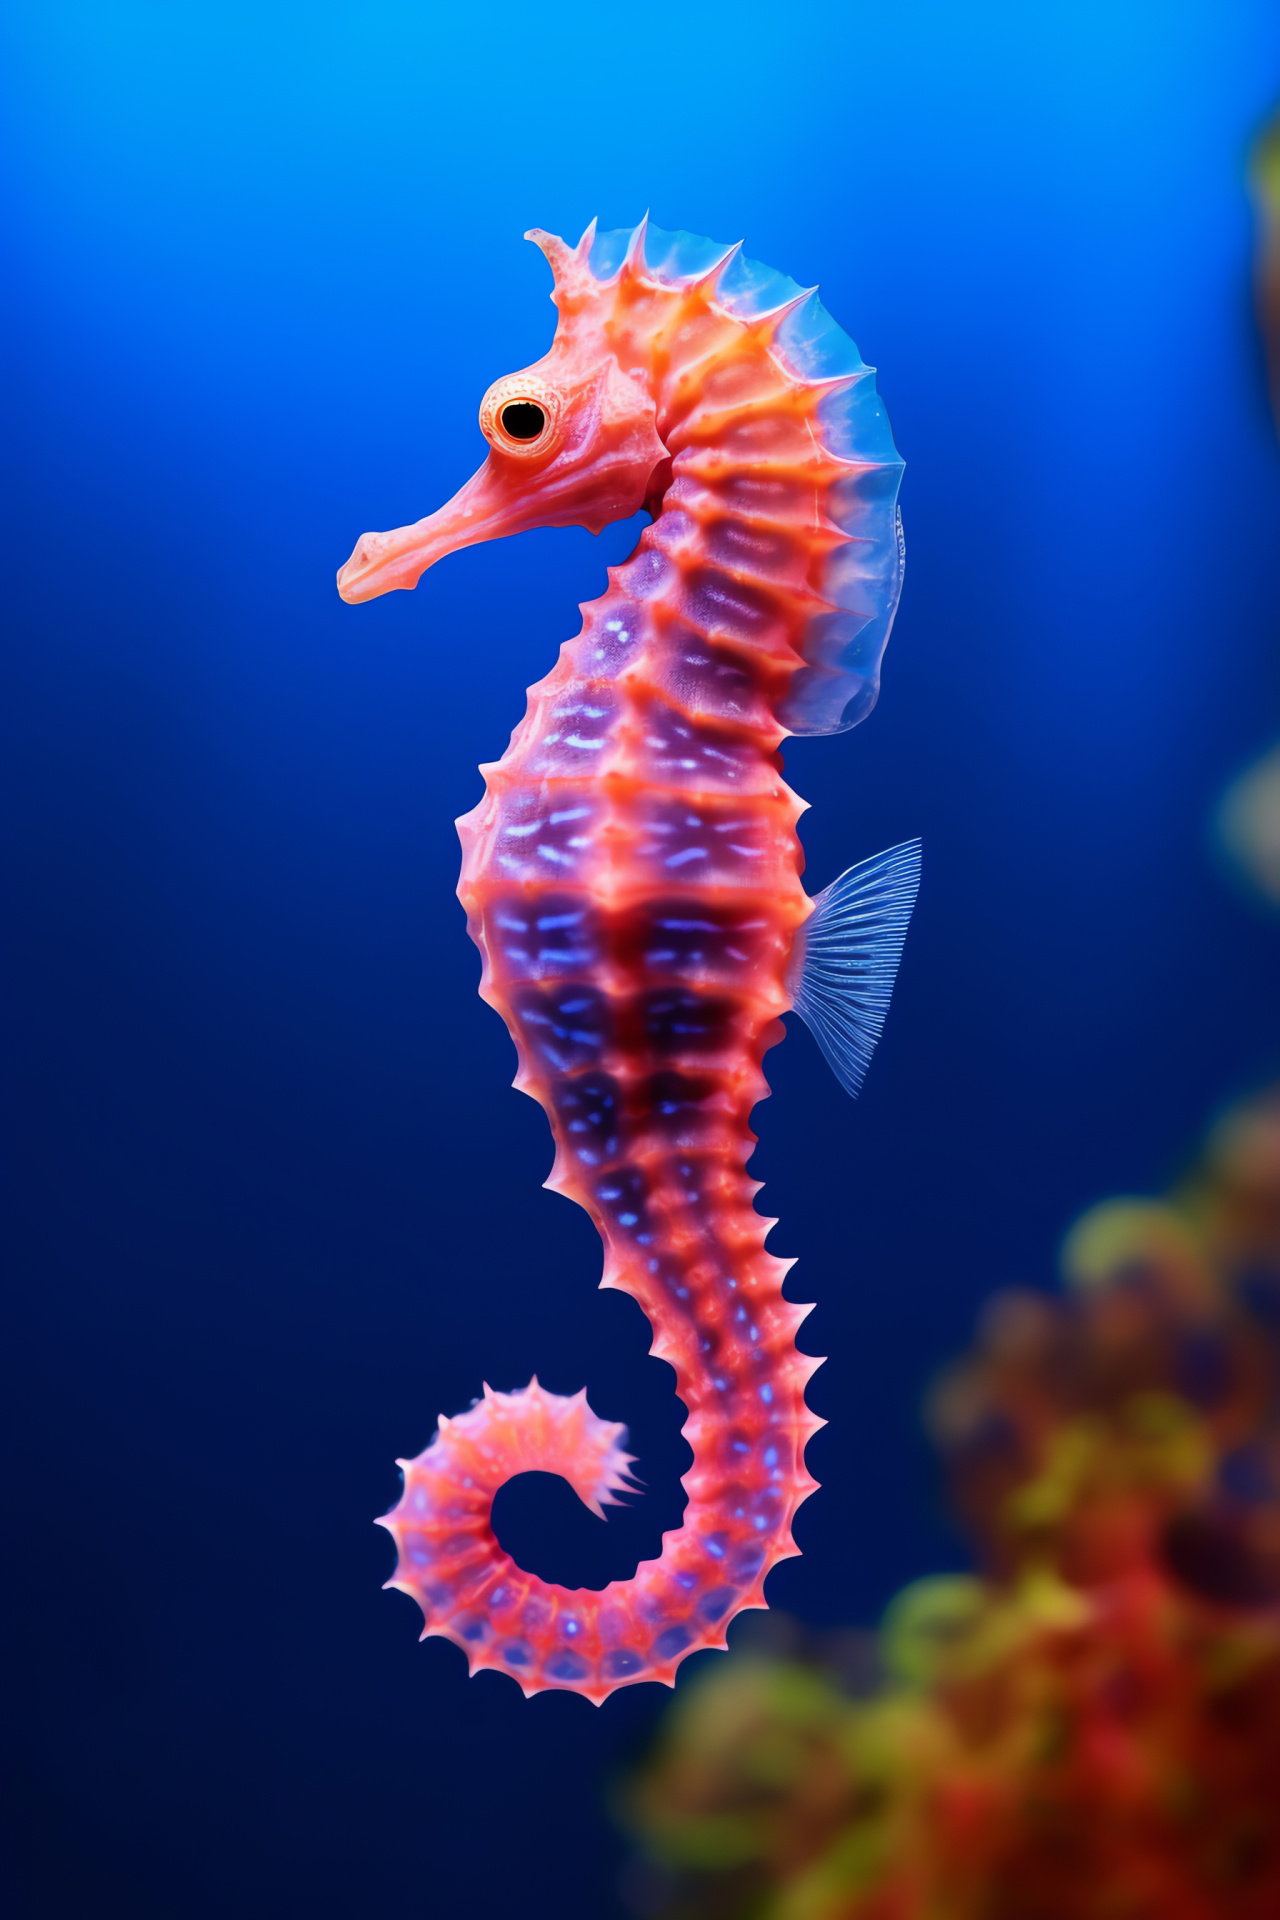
(632, 879)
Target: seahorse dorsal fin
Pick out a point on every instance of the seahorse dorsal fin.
(846, 958)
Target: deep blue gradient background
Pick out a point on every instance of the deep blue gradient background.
(276, 1205)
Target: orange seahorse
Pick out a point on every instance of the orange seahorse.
(632, 880)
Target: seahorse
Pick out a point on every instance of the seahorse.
(632, 880)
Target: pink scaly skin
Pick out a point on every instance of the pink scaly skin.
(632, 880)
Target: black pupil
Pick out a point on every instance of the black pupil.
(523, 420)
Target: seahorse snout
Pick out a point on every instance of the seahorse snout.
(380, 562)
(481, 510)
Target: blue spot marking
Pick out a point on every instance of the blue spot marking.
(669, 1644)
(567, 1666)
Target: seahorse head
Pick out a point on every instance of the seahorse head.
(690, 380)
(572, 442)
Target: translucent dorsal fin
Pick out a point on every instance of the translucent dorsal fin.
(846, 959)
(675, 259)
(687, 260)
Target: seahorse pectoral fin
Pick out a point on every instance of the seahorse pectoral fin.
(846, 958)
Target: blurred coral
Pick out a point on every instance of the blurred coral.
(1090, 1730)
(1247, 826)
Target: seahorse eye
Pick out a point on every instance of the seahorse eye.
(521, 415)
(523, 419)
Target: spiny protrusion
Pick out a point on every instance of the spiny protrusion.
(570, 272)
(765, 325)
(633, 262)
(534, 1430)
(709, 279)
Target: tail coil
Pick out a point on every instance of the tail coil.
(472, 1593)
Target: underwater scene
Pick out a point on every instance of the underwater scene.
(828, 584)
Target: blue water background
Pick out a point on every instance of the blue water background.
(276, 1205)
